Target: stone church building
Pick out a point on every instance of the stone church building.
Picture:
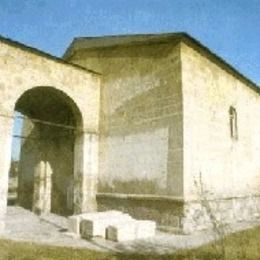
(154, 125)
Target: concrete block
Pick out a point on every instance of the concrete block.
(96, 226)
(123, 231)
(145, 229)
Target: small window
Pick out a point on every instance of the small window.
(233, 123)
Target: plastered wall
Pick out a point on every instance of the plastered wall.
(229, 168)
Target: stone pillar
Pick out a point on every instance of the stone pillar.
(6, 125)
(85, 172)
(42, 188)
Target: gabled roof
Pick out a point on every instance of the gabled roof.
(80, 43)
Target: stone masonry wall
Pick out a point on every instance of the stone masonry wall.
(141, 153)
(24, 68)
(141, 118)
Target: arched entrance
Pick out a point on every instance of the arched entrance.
(52, 122)
(75, 89)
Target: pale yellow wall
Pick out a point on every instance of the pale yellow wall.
(228, 168)
(141, 117)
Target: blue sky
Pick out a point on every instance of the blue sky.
(229, 28)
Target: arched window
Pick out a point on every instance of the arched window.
(233, 123)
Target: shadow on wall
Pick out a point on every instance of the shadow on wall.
(144, 112)
(137, 144)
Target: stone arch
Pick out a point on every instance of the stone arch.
(61, 93)
(79, 89)
(46, 166)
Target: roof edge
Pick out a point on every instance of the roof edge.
(230, 68)
(41, 53)
(182, 36)
(154, 38)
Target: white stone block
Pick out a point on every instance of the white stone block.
(123, 231)
(74, 224)
(130, 230)
(74, 221)
(145, 229)
(97, 226)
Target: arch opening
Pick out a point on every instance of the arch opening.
(50, 122)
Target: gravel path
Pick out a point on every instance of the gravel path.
(51, 229)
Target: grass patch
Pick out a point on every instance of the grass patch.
(243, 245)
(11, 250)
